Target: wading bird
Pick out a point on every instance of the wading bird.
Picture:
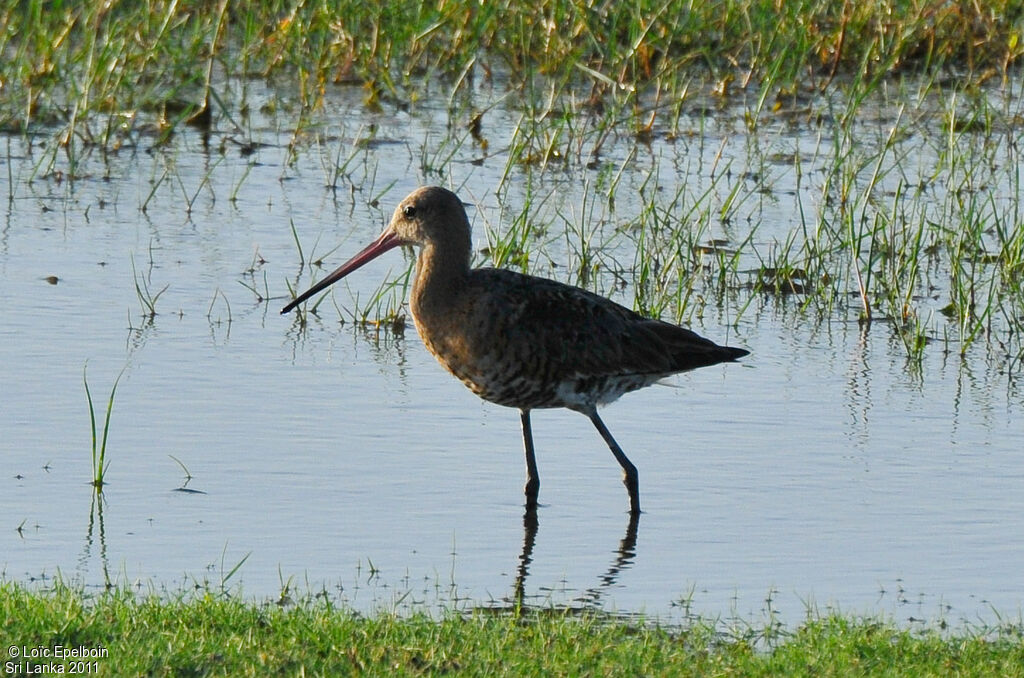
(526, 342)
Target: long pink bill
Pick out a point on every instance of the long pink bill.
(387, 240)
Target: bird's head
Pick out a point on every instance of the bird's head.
(430, 217)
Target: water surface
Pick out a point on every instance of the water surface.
(824, 471)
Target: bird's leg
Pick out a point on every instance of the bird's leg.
(532, 477)
(629, 474)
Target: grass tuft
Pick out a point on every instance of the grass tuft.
(99, 453)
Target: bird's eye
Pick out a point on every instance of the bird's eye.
(409, 211)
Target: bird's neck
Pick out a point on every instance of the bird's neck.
(440, 278)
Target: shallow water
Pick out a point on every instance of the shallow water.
(824, 471)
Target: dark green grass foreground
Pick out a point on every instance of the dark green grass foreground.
(209, 635)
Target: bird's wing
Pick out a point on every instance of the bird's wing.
(570, 332)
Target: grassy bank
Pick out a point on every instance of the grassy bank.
(208, 635)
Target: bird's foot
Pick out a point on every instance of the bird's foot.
(532, 490)
(632, 483)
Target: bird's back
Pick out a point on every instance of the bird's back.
(529, 342)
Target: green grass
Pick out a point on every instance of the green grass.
(99, 445)
(215, 635)
(90, 68)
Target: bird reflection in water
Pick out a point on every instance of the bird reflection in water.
(592, 598)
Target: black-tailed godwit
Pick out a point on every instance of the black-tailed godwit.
(522, 341)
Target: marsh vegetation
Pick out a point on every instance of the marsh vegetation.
(881, 138)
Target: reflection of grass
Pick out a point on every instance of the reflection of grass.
(99, 454)
(205, 632)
